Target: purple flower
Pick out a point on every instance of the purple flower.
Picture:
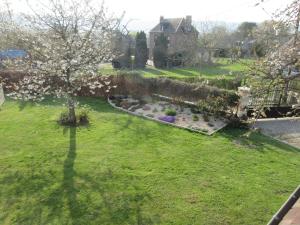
(168, 119)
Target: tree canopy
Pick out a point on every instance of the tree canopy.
(141, 50)
(66, 41)
(160, 51)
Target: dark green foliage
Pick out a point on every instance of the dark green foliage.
(124, 61)
(170, 112)
(177, 59)
(245, 29)
(141, 50)
(222, 52)
(63, 118)
(195, 118)
(205, 117)
(212, 105)
(82, 117)
(236, 122)
(231, 99)
(195, 110)
(127, 58)
(160, 51)
(259, 49)
(218, 105)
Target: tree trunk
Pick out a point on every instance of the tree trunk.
(72, 116)
(209, 57)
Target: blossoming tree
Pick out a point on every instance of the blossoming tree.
(66, 41)
(281, 66)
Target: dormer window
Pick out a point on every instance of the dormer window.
(164, 26)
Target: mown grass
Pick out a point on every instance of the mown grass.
(221, 69)
(126, 170)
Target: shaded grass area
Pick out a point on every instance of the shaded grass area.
(126, 170)
(221, 69)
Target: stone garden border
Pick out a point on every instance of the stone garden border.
(159, 121)
(2, 98)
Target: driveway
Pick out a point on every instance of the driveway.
(284, 129)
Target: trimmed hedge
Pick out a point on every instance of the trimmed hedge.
(132, 83)
(135, 84)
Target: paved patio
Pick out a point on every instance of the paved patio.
(284, 129)
(293, 216)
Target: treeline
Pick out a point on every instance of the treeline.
(133, 51)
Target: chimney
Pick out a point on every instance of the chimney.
(161, 23)
(161, 19)
(188, 22)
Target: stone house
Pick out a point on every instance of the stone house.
(180, 32)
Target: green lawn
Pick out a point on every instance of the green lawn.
(126, 170)
(221, 69)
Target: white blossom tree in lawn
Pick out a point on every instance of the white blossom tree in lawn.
(66, 40)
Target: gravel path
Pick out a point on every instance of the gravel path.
(285, 129)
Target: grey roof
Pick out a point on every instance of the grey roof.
(170, 25)
(13, 54)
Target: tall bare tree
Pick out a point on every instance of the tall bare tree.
(213, 37)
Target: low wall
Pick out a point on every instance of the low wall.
(2, 99)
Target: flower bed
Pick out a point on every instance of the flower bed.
(183, 116)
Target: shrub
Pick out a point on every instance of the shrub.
(232, 99)
(222, 82)
(219, 105)
(64, 118)
(170, 112)
(82, 117)
(160, 51)
(195, 110)
(205, 117)
(124, 61)
(141, 50)
(236, 122)
(195, 118)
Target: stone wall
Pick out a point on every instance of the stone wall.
(178, 42)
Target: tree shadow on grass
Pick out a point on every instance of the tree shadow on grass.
(254, 140)
(69, 175)
(36, 195)
(185, 72)
(153, 71)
